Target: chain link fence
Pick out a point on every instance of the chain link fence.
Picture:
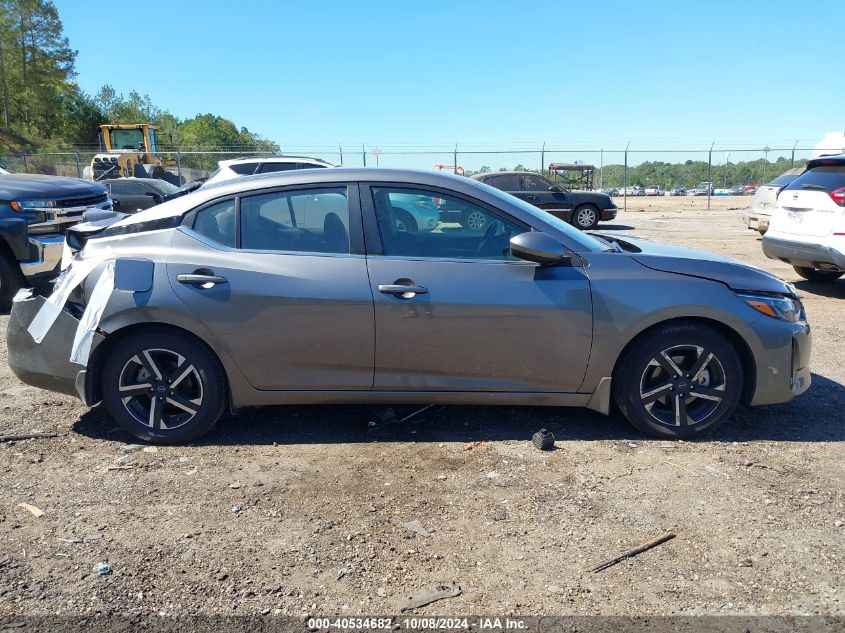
(609, 169)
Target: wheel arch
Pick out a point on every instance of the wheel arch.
(97, 360)
(746, 357)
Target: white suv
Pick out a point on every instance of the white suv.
(236, 167)
(807, 228)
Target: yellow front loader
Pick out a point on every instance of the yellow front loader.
(128, 150)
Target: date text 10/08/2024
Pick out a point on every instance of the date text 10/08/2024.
(431, 623)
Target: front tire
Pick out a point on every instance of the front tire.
(10, 282)
(163, 387)
(678, 381)
(585, 217)
(814, 274)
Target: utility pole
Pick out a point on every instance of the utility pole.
(601, 169)
(710, 173)
(625, 180)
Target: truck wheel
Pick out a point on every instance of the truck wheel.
(814, 274)
(678, 381)
(585, 217)
(10, 282)
(163, 387)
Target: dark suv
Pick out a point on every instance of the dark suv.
(583, 209)
(35, 212)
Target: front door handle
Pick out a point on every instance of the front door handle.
(531, 197)
(405, 292)
(201, 280)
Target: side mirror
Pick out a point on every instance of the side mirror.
(555, 189)
(541, 248)
(115, 204)
(155, 196)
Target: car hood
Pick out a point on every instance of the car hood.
(593, 196)
(37, 186)
(697, 263)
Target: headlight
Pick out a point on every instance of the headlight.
(25, 205)
(778, 307)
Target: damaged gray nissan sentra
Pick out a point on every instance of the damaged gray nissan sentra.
(303, 288)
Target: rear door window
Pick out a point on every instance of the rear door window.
(217, 223)
(825, 178)
(307, 221)
(243, 169)
(505, 182)
(533, 183)
(266, 168)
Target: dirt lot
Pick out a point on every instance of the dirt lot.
(302, 510)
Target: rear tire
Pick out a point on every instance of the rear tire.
(814, 274)
(10, 282)
(678, 381)
(163, 387)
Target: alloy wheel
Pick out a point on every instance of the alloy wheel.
(476, 221)
(682, 385)
(586, 217)
(160, 389)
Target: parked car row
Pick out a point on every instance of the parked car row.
(703, 189)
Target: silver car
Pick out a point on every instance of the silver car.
(759, 213)
(298, 288)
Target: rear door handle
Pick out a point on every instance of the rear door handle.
(401, 289)
(201, 280)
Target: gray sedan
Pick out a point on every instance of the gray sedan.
(298, 288)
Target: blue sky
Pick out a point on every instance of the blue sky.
(492, 73)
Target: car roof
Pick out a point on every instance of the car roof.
(271, 159)
(826, 160)
(234, 186)
(405, 178)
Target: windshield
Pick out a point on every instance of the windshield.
(782, 181)
(822, 178)
(582, 238)
(162, 186)
(126, 139)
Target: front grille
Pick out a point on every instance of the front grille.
(82, 202)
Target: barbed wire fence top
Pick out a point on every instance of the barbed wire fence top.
(617, 165)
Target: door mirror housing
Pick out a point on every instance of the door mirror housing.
(155, 196)
(538, 247)
(555, 189)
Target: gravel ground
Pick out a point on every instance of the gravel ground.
(293, 510)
